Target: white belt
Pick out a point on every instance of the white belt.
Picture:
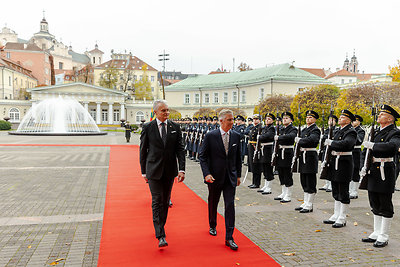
(265, 144)
(382, 161)
(283, 149)
(305, 149)
(355, 147)
(338, 154)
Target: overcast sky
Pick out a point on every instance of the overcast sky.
(200, 36)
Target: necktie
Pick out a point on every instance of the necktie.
(163, 133)
(225, 139)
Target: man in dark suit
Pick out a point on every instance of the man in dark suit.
(221, 164)
(161, 147)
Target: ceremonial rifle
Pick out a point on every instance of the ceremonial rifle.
(368, 154)
(274, 157)
(295, 164)
(321, 145)
(258, 144)
(328, 151)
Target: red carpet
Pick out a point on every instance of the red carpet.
(128, 234)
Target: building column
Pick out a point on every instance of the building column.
(98, 113)
(86, 104)
(110, 113)
(86, 118)
(122, 112)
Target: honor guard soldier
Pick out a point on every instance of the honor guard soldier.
(240, 129)
(246, 139)
(355, 180)
(285, 140)
(267, 142)
(194, 137)
(308, 160)
(254, 153)
(340, 167)
(215, 124)
(331, 120)
(381, 178)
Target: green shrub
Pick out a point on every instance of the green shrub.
(5, 125)
(134, 127)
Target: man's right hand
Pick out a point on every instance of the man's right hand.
(209, 179)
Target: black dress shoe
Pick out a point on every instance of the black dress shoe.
(328, 222)
(277, 198)
(231, 244)
(328, 190)
(266, 193)
(285, 201)
(213, 231)
(379, 244)
(162, 242)
(170, 203)
(338, 225)
(353, 197)
(306, 211)
(298, 208)
(368, 240)
(250, 185)
(260, 191)
(255, 187)
(322, 188)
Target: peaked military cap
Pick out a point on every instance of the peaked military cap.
(215, 118)
(287, 113)
(270, 115)
(312, 113)
(389, 110)
(195, 119)
(249, 119)
(359, 118)
(209, 119)
(188, 119)
(334, 117)
(256, 116)
(348, 114)
(240, 117)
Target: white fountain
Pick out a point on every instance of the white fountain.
(58, 116)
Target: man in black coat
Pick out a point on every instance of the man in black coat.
(285, 154)
(308, 160)
(332, 119)
(267, 143)
(221, 164)
(161, 148)
(254, 156)
(340, 167)
(355, 179)
(382, 174)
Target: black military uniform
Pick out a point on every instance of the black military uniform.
(340, 170)
(355, 179)
(128, 130)
(308, 163)
(285, 154)
(382, 178)
(267, 143)
(328, 186)
(255, 164)
(240, 129)
(246, 140)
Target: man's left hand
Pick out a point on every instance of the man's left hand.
(181, 177)
(238, 181)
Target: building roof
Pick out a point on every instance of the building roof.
(81, 58)
(16, 66)
(319, 72)
(22, 46)
(45, 88)
(341, 72)
(282, 72)
(133, 63)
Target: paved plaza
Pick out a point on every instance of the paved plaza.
(53, 201)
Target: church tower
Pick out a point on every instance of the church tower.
(354, 63)
(44, 26)
(346, 63)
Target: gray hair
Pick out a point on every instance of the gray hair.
(157, 103)
(222, 114)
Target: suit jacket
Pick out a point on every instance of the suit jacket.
(214, 161)
(157, 160)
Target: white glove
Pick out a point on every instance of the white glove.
(276, 137)
(258, 137)
(297, 139)
(368, 144)
(328, 142)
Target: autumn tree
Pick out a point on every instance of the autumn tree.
(143, 86)
(274, 104)
(174, 114)
(109, 77)
(208, 112)
(319, 98)
(395, 72)
(86, 74)
(235, 111)
(243, 67)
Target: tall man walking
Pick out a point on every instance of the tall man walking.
(221, 164)
(161, 148)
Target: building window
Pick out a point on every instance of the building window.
(94, 60)
(234, 97)
(206, 98)
(261, 93)
(8, 55)
(60, 65)
(243, 96)
(14, 115)
(99, 60)
(139, 117)
(196, 98)
(9, 80)
(152, 89)
(187, 99)
(152, 78)
(46, 70)
(43, 46)
(104, 115)
(216, 98)
(225, 99)
(121, 87)
(342, 81)
(350, 80)
(92, 113)
(141, 77)
(135, 77)
(116, 114)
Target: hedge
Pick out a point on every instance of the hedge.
(5, 125)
